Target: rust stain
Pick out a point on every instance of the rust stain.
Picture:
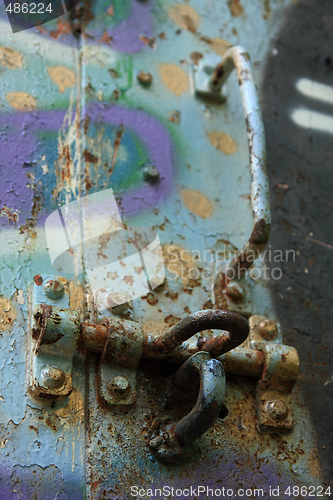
(11, 214)
(63, 28)
(6, 318)
(185, 17)
(89, 156)
(222, 141)
(21, 101)
(116, 147)
(10, 58)
(174, 78)
(171, 320)
(197, 203)
(61, 76)
(235, 7)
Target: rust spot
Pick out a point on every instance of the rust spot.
(151, 42)
(260, 233)
(10, 213)
(128, 279)
(63, 28)
(171, 320)
(235, 7)
(89, 156)
(38, 279)
(106, 38)
(151, 299)
(172, 295)
(119, 135)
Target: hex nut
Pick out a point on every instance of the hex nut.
(277, 409)
(119, 386)
(54, 289)
(53, 377)
(268, 329)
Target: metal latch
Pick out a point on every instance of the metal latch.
(56, 333)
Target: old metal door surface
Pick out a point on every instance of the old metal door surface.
(134, 202)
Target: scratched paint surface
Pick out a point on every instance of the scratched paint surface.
(75, 120)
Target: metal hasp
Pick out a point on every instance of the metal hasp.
(53, 338)
(199, 373)
(209, 74)
(278, 377)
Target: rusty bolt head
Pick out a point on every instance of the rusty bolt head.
(145, 78)
(54, 289)
(53, 377)
(119, 386)
(235, 291)
(155, 442)
(268, 329)
(277, 409)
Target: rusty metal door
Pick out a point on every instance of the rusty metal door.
(150, 332)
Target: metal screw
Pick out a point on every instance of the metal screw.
(268, 329)
(53, 377)
(277, 409)
(119, 386)
(54, 289)
(145, 78)
(235, 291)
(119, 303)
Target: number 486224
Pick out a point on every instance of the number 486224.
(30, 8)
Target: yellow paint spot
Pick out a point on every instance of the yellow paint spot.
(222, 141)
(10, 58)
(197, 203)
(235, 7)
(174, 78)
(21, 101)
(185, 16)
(220, 46)
(61, 76)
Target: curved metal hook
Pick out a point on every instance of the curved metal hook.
(237, 329)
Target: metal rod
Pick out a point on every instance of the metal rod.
(237, 329)
(237, 57)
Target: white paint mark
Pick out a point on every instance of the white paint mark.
(315, 90)
(313, 120)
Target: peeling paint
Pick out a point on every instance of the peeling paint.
(10, 58)
(62, 76)
(222, 141)
(185, 16)
(174, 78)
(22, 101)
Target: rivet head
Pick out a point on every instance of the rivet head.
(145, 78)
(277, 409)
(268, 329)
(54, 289)
(118, 386)
(53, 377)
(235, 291)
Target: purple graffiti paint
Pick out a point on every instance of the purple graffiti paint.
(19, 144)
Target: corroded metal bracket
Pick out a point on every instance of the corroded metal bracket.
(278, 377)
(53, 338)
